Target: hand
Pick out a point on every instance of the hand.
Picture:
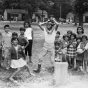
(23, 47)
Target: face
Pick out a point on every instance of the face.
(15, 42)
(78, 41)
(22, 32)
(72, 37)
(26, 25)
(15, 36)
(48, 26)
(84, 39)
(7, 29)
(57, 35)
(69, 33)
(66, 38)
(79, 30)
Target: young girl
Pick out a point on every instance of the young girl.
(17, 57)
(79, 60)
(84, 55)
(80, 31)
(29, 36)
(65, 43)
(71, 51)
(58, 47)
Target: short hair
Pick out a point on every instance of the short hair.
(78, 38)
(73, 34)
(65, 35)
(58, 32)
(6, 26)
(84, 36)
(81, 28)
(69, 31)
(22, 29)
(28, 23)
(12, 39)
(14, 34)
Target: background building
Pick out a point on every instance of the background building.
(14, 14)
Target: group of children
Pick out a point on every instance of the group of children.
(14, 48)
(72, 48)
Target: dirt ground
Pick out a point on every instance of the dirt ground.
(43, 79)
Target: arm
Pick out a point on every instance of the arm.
(42, 24)
(56, 24)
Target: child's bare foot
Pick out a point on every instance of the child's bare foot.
(14, 81)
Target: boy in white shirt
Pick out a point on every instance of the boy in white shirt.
(50, 29)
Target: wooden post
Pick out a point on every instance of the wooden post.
(60, 73)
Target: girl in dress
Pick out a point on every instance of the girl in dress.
(84, 47)
(17, 57)
(65, 43)
(80, 31)
(71, 51)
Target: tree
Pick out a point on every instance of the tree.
(61, 8)
(80, 7)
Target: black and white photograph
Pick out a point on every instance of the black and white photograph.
(43, 43)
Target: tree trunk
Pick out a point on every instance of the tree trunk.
(28, 17)
(75, 19)
(81, 20)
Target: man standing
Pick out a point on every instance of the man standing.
(50, 28)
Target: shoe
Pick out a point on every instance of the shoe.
(38, 69)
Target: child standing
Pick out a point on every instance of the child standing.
(22, 39)
(71, 51)
(84, 46)
(79, 60)
(29, 36)
(50, 30)
(80, 32)
(65, 43)
(58, 47)
(7, 44)
(17, 57)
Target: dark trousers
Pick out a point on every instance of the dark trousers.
(28, 49)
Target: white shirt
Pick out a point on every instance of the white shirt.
(49, 38)
(28, 33)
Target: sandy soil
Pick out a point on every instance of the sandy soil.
(43, 79)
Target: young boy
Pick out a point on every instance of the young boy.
(50, 30)
(22, 39)
(7, 44)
